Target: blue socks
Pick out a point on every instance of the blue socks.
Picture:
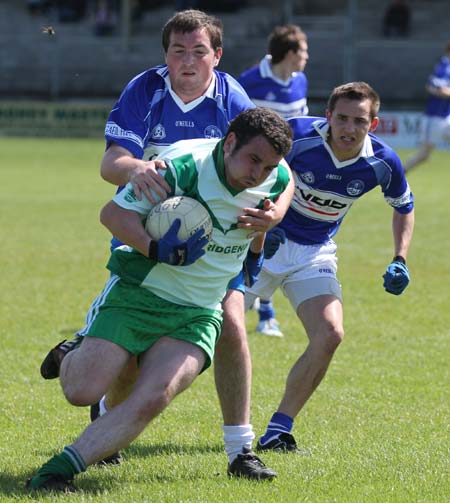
(265, 310)
(280, 423)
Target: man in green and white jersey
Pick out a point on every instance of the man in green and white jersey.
(162, 302)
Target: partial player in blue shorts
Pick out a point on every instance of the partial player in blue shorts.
(436, 119)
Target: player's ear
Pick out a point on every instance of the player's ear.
(229, 143)
(328, 115)
(217, 56)
(374, 124)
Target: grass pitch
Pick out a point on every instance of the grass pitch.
(376, 430)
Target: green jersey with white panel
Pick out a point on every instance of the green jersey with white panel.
(200, 175)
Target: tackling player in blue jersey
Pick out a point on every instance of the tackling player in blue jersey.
(436, 122)
(185, 99)
(335, 160)
(278, 82)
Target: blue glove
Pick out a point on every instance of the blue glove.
(274, 238)
(252, 267)
(171, 250)
(396, 277)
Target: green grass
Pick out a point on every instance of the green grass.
(377, 429)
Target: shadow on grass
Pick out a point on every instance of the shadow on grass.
(14, 485)
(165, 448)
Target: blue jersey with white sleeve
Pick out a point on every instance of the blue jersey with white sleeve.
(439, 107)
(149, 116)
(326, 188)
(287, 97)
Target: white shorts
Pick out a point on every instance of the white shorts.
(435, 130)
(301, 271)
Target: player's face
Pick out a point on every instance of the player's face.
(249, 165)
(191, 61)
(350, 121)
(299, 58)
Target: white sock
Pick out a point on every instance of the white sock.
(102, 409)
(236, 438)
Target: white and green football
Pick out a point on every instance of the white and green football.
(192, 214)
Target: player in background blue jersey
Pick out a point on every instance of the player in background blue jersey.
(278, 82)
(335, 161)
(436, 121)
(187, 98)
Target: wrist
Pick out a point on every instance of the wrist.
(153, 250)
(254, 255)
(399, 258)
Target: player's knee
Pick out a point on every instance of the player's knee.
(332, 336)
(81, 396)
(153, 405)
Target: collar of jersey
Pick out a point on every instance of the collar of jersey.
(187, 107)
(366, 151)
(265, 68)
(220, 167)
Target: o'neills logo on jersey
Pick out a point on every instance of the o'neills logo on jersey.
(355, 187)
(212, 132)
(184, 124)
(158, 132)
(212, 247)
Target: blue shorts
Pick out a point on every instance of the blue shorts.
(238, 283)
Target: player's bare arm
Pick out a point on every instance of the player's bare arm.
(120, 167)
(262, 220)
(402, 228)
(126, 225)
(440, 92)
(257, 244)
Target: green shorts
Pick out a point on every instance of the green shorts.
(134, 318)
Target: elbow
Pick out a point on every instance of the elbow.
(104, 171)
(105, 216)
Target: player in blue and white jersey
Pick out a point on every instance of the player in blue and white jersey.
(278, 83)
(185, 99)
(436, 120)
(335, 160)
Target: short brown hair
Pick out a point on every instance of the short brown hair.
(283, 39)
(262, 121)
(187, 21)
(357, 91)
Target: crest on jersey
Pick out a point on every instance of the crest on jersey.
(158, 132)
(307, 177)
(355, 187)
(270, 96)
(212, 132)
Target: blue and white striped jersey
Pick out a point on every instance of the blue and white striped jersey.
(326, 188)
(149, 116)
(439, 107)
(287, 97)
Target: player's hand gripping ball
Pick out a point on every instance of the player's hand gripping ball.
(180, 227)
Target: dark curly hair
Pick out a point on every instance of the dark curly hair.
(265, 122)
